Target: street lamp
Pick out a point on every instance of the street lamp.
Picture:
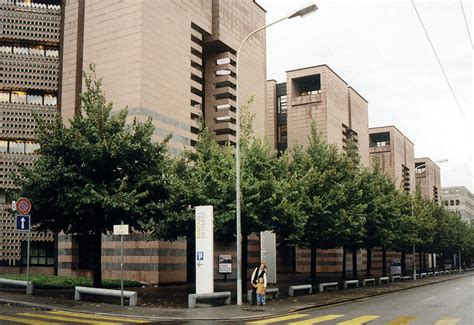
(298, 13)
(413, 214)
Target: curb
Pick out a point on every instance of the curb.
(238, 318)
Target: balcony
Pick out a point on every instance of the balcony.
(308, 99)
(380, 149)
(29, 71)
(34, 23)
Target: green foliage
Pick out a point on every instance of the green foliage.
(96, 172)
(62, 282)
(328, 199)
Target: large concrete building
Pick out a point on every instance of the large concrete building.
(173, 61)
(316, 94)
(460, 199)
(428, 178)
(394, 153)
(29, 71)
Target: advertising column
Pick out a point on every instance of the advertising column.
(268, 254)
(204, 249)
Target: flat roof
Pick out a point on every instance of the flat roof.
(359, 94)
(391, 126)
(255, 1)
(319, 66)
(427, 158)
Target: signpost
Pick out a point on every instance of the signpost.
(225, 265)
(23, 224)
(204, 249)
(121, 230)
(268, 254)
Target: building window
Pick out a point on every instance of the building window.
(4, 96)
(446, 203)
(457, 202)
(308, 85)
(451, 202)
(282, 104)
(18, 97)
(379, 139)
(282, 134)
(41, 253)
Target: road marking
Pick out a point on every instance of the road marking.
(316, 320)
(457, 289)
(67, 319)
(23, 320)
(402, 320)
(359, 320)
(278, 319)
(431, 298)
(83, 315)
(448, 321)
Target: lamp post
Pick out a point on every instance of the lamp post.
(413, 215)
(298, 13)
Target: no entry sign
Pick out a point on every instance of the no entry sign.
(23, 206)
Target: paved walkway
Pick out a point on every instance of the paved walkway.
(203, 312)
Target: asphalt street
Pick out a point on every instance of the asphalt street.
(445, 303)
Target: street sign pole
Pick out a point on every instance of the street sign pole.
(121, 230)
(28, 264)
(121, 269)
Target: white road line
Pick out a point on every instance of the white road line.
(429, 299)
(457, 289)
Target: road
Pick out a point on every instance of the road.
(445, 303)
(25, 315)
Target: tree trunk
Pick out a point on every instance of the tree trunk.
(443, 264)
(433, 263)
(314, 253)
(369, 261)
(420, 265)
(191, 259)
(452, 261)
(97, 279)
(384, 261)
(354, 263)
(403, 262)
(344, 257)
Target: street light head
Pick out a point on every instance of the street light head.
(304, 11)
(441, 161)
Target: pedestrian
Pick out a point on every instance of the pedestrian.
(258, 272)
(260, 287)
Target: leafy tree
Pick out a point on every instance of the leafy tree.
(97, 172)
(326, 197)
(382, 213)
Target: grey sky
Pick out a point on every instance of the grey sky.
(380, 49)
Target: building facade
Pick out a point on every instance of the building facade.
(173, 61)
(394, 153)
(316, 94)
(428, 178)
(29, 85)
(460, 199)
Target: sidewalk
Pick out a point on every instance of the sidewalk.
(229, 312)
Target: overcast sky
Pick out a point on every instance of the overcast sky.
(380, 49)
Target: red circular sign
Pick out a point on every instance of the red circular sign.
(23, 205)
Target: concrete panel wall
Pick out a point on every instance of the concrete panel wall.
(271, 114)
